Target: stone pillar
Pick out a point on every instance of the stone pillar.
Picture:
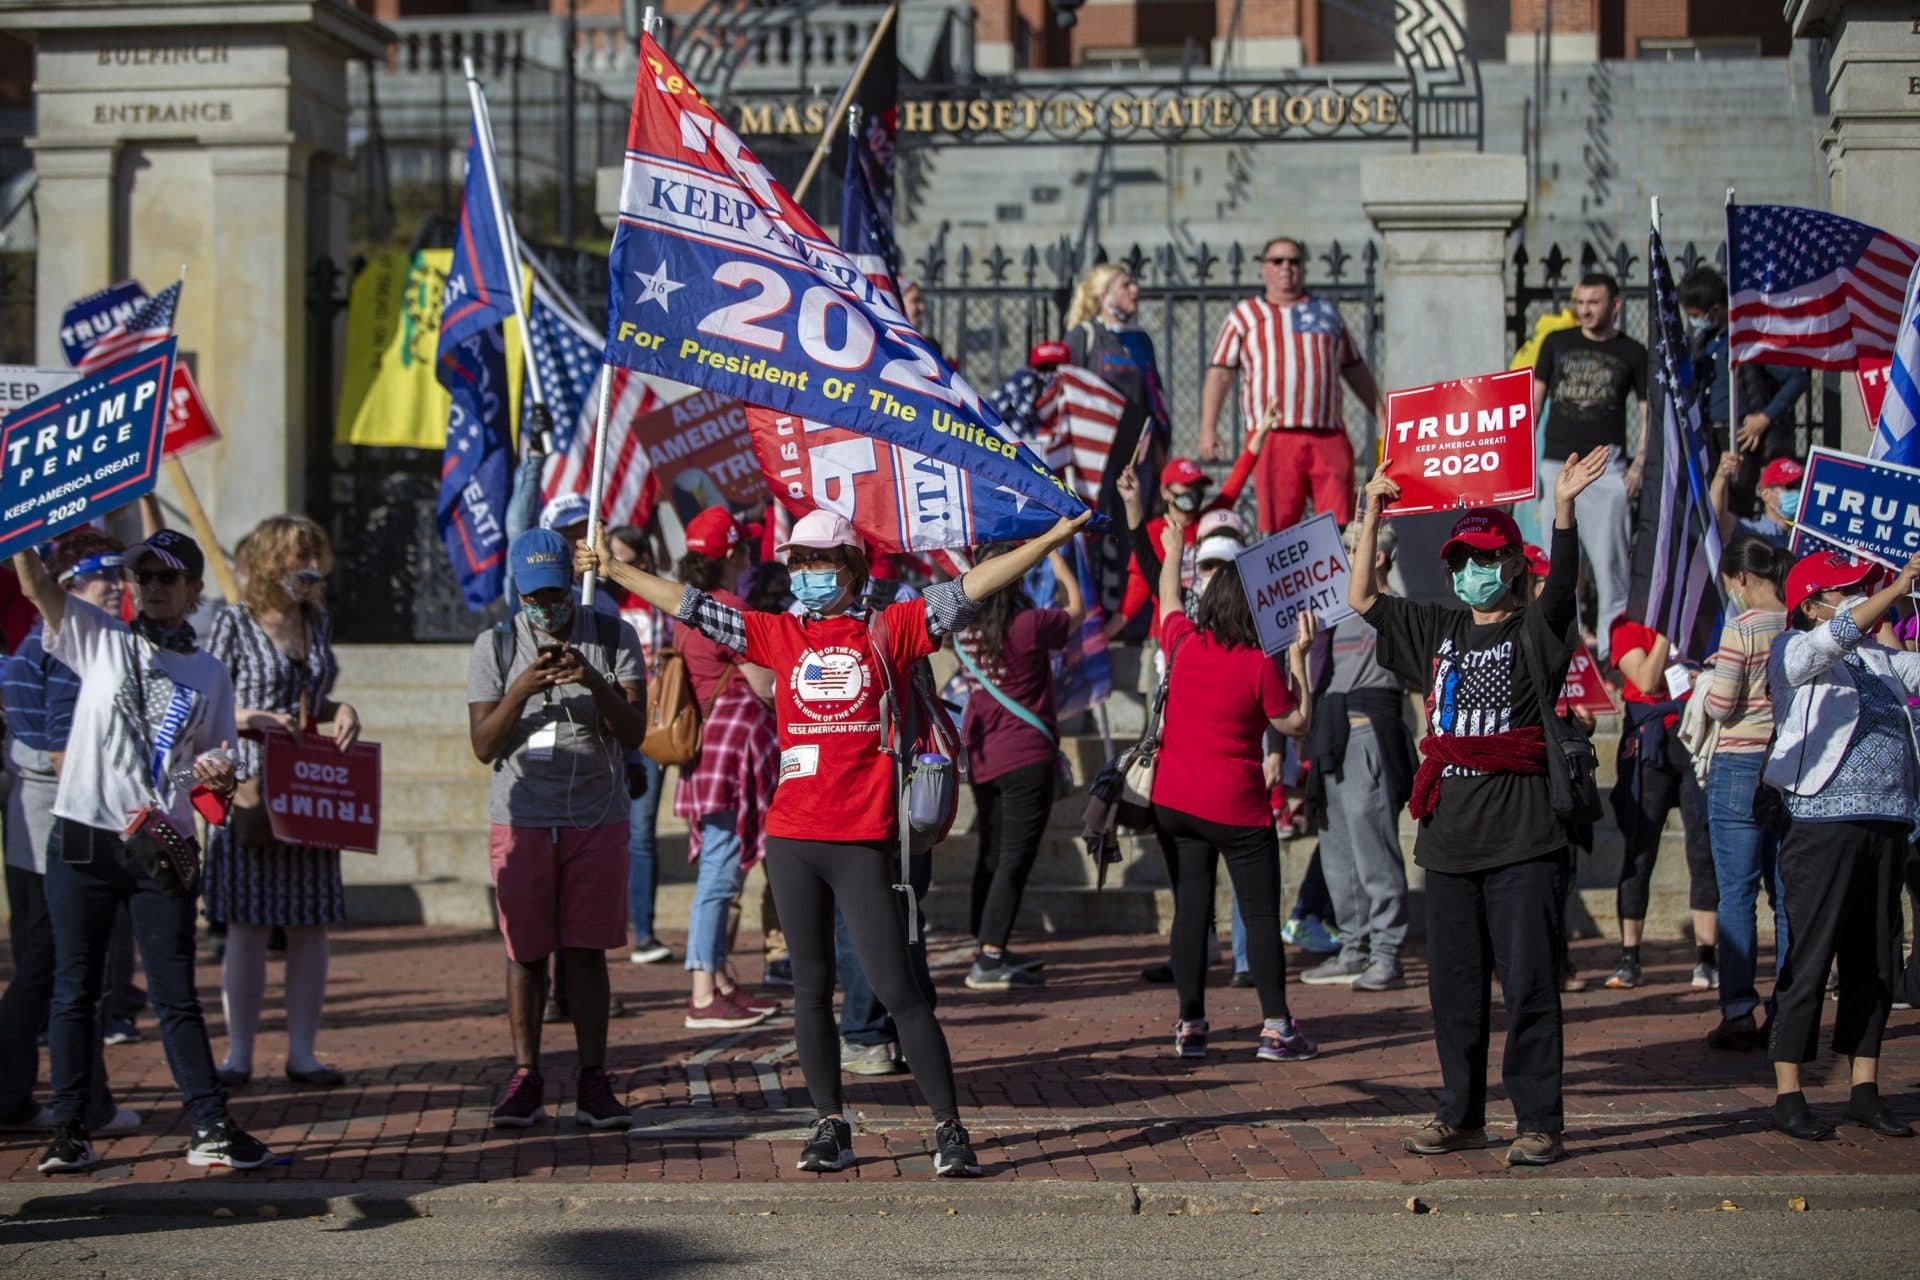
(1872, 141)
(171, 135)
(1443, 220)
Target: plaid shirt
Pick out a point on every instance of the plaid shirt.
(738, 767)
(948, 610)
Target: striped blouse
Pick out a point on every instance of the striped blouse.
(265, 679)
(1737, 694)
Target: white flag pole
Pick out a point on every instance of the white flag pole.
(648, 21)
(483, 127)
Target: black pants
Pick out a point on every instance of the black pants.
(864, 1019)
(1841, 882)
(28, 1001)
(1663, 786)
(1253, 863)
(811, 877)
(1014, 809)
(1512, 921)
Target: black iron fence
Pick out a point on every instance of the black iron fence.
(987, 310)
(16, 308)
(1540, 288)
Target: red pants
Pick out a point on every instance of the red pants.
(1293, 460)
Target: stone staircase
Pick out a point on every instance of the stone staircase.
(432, 866)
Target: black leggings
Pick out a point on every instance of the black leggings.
(809, 877)
(1014, 809)
(1253, 864)
(1663, 786)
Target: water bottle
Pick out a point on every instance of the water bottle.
(182, 775)
(930, 793)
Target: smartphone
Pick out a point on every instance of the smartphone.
(554, 651)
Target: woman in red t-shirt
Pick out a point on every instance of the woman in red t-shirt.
(1210, 794)
(832, 835)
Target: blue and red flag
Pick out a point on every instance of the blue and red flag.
(475, 472)
(866, 215)
(719, 280)
(1083, 671)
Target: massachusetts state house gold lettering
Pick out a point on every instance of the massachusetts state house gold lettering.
(1313, 110)
(130, 55)
(203, 111)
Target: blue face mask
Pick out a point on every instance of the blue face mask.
(1699, 324)
(1790, 504)
(1478, 586)
(818, 589)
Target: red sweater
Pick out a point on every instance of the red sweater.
(1138, 589)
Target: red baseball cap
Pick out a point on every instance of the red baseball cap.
(1537, 561)
(713, 533)
(1483, 529)
(1183, 471)
(1784, 472)
(1048, 353)
(1827, 571)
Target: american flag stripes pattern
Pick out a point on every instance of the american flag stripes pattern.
(1813, 289)
(1676, 553)
(1289, 360)
(152, 323)
(1079, 416)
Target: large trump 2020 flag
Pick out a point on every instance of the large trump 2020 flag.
(719, 280)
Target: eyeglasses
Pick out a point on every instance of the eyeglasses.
(1485, 559)
(160, 577)
(1283, 262)
(809, 558)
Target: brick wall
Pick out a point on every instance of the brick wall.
(1653, 20)
(1528, 16)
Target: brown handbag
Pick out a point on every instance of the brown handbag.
(674, 715)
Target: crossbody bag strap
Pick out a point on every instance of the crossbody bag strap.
(1022, 713)
(893, 725)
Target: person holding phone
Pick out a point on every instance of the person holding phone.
(555, 696)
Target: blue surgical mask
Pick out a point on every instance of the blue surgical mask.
(818, 589)
(1477, 585)
(1790, 504)
(1699, 324)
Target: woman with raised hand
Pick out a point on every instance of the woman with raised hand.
(1210, 791)
(1494, 848)
(276, 644)
(832, 834)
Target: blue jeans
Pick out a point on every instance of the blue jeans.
(1743, 856)
(643, 875)
(86, 885)
(863, 1019)
(713, 892)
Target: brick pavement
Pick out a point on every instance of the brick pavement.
(1073, 1082)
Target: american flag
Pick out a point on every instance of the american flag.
(1676, 554)
(1811, 288)
(1289, 360)
(1897, 436)
(1079, 416)
(568, 352)
(830, 680)
(152, 323)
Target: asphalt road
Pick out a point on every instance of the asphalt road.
(1690, 1243)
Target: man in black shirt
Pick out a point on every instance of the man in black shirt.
(1494, 850)
(1589, 375)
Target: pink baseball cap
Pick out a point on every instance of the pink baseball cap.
(1228, 522)
(820, 530)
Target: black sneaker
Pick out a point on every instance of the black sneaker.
(69, 1152)
(953, 1155)
(830, 1149)
(221, 1145)
(993, 973)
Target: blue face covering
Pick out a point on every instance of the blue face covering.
(818, 589)
(1790, 504)
(1478, 586)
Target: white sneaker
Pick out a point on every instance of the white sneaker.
(1706, 977)
(652, 951)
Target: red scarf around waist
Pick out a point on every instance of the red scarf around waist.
(1522, 750)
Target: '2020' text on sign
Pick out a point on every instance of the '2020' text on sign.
(1465, 443)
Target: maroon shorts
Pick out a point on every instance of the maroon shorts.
(559, 887)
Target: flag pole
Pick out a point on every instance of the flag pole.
(483, 128)
(197, 514)
(1733, 374)
(840, 104)
(648, 20)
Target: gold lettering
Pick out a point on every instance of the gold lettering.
(789, 121)
(977, 115)
(953, 117)
(1361, 110)
(1333, 110)
(1061, 108)
(816, 117)
(1222, 112)
(1264, 112)
(1169, 115)
(1031, 110)
(755, 119)
(916, 117)
(1083, 114)
(1002, 116)
(1120, 115)
(1386, 108)
(1195, 111)
(1300, 116)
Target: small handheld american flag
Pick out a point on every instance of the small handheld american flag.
(151, 323)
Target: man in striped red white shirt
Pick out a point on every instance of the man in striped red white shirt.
(1290, 352)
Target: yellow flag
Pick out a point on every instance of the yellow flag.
(389, 397)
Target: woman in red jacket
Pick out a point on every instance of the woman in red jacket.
(832, 834)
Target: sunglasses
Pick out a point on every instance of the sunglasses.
(1485, 559)
(1283, 262)
(160, 577)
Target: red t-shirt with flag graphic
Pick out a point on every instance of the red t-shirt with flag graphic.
(835, 784)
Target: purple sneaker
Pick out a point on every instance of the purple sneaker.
(524, 1103)
(1282, 1040)
(594, 1103)
(1190, 1039)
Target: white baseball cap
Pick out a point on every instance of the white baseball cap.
(1218, 547)
(820, 530)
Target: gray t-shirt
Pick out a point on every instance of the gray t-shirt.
(1354, 666)
(563, 767)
